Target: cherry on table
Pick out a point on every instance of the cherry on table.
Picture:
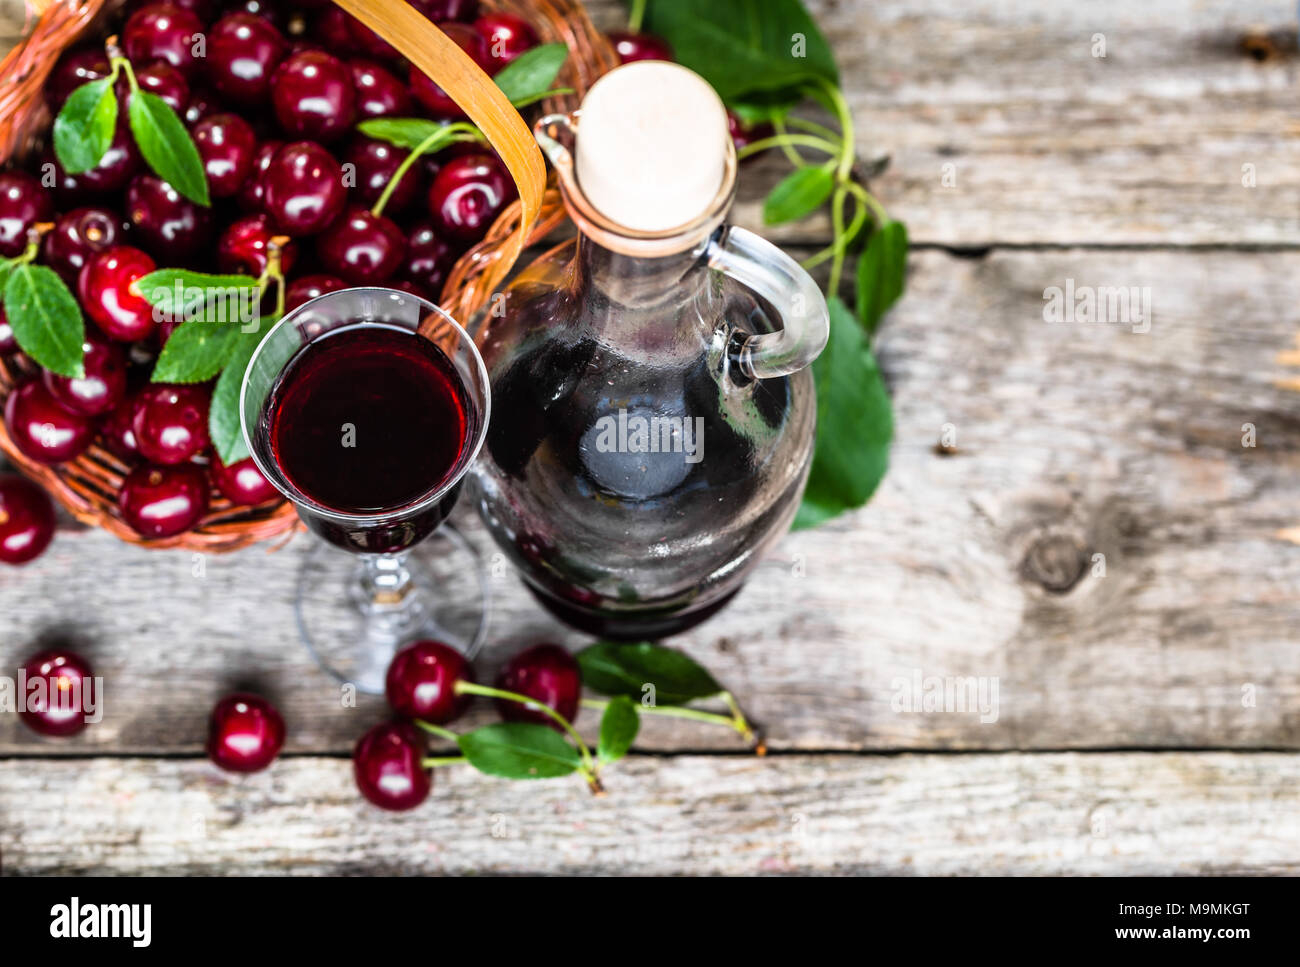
(375, 163)
(244, 247)
(166, 223)
(242, 483)
(435, 100)
(78, 66)
(162, 31)
(160, 502)
(505, 36)
(106, 286)
(252, 195)
(467, 196)
(102, 387)
(429, 257)
(308, 287)
(304, 190)
(23, 203)
(631, 47)
(228, 147)
(243, 51)
(58, 708)
(245, 733)
(171, 422)
(42, 429)
(379, 92)
(362, 248)
(549, 675)
(79, 234)
(388, 765)
(26, 519)
(118, 166)
(313, 95)
(421, 682)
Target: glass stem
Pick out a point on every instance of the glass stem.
(386, 578)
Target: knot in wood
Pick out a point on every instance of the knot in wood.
(1056, 562)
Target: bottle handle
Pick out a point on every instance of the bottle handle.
(759, 265)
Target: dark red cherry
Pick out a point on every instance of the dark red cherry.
(252, 196)
(244, 247)
(23, 203)
(370, 43)
(171, 422)
(308, 287)
(162, 31)
(633, 47)
(268, 9)
(429, 257)
(158, 78)
(26, 519)
(245, 733)
(228, 146)
(743, 135)
(435, 100)
(8, 342)
(506, 37)
(104, 385)
(388, 764)
(375, 163)
(64, 698)
(242, 483)
(42, 429)
(79, 234)
(107, 294)
(162, 502)
(547, 674)
(313, 96)
(78, 66)
(468, 195)
(379, 92)
(243, 52)
(442, 10)
(203, 9)
(118, 431)
(362, 248)
(330, 28)
(422, 679)
(118, 166)
(406, 285)
(166, 223)
(202, 103)
(304, 188)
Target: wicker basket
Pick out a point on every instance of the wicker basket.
(88, 486)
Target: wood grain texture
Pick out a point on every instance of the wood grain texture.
(1072, 440)
(935, 815)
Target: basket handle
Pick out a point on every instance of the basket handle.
(433, 52)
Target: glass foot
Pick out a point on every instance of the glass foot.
(355, 612)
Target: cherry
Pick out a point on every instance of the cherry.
(200, 8)
(8, 343)
(362, 248)
(429, 257)
(369, 42)
(330, 28)
(261, 8)
(441, 10)
(242, 483)
(118, 430)
(162, 79)
(165, 222)
(406, 285)
(375, 163)
(42, 429)
(252, 196)
(58, 707)
(379, 92)
(162, 502)
(243, 51)
(388, 764)
(118, 166)
(244, 247)
(313, 95)
(245, 733)
(633, 47)
(743, 135)
(546, 673)
(79, 234)
(26, 519)
(467, 196)
(78, 66)
(304, 188)
(101, 389)
(106, 287)
(437, 101)
(162, 31)
(422, 679)
(202, 103)
(23, 203)
(228, 146)
(308, 287)
(171, 422)
(506, 37)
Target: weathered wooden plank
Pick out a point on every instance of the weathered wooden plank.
(1013, 814)
(1071, 440)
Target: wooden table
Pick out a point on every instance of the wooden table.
(1099, 541)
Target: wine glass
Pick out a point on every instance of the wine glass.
(365, 407)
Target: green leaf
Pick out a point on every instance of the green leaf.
(882, 273)
(616, 668)
(187, 296)
(224, 426)
(760, 110)
(745, 46)
(45, 319)
(83, 131)
(195, 353)
(519, 750)
(411, 133)
(855, 423)
(167, 146)
(799, 193)
(531, 73)
(618, 728)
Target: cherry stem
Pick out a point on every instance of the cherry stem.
(447, 760)
(788, 141)
(451, 133)
(472, 688)
(676, 712)
(637, 16)
(437, 730)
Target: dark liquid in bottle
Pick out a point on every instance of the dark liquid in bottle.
(367, 420)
